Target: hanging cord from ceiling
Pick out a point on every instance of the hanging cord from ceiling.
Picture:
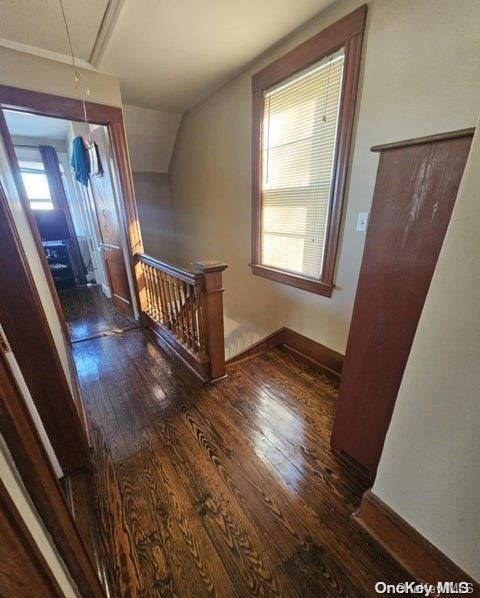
(78, 75)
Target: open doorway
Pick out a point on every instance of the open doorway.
(71, 187)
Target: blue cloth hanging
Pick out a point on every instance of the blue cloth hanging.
(80, 161)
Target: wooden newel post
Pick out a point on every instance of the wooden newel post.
(212, 315)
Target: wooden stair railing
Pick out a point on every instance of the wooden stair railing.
(184, 307)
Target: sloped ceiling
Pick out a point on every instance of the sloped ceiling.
(168, 54)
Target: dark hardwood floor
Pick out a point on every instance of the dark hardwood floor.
(89, 313)
(223, 490)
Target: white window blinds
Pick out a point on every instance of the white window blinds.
(298, 146)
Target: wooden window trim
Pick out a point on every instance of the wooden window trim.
(346, 33)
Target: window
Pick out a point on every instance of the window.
(36, 185)
(303, 108)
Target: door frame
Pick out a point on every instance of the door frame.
(38, 477)
(42, 104)
(111, 173)
(28, 333)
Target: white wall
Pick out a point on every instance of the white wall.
(14, 485)
(421, 75)
(429, 472)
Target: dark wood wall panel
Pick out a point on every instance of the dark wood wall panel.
(416, 188)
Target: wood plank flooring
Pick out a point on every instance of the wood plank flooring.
(89, 313)
(224, 490)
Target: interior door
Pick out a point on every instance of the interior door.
(415, 192)
(109, 226)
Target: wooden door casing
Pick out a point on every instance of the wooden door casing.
(415, 191)
(22, 565)
(108, 222)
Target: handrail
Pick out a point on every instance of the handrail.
(184, 307)
(185, 274)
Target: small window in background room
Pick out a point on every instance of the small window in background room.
(36, 185)
(303, 107)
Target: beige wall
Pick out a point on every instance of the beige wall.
(152, 191)
(421, 75)
(430, 467)
(151, 135)
(40, 74)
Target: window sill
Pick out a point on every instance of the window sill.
(293, 280)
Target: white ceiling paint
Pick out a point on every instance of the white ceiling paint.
(32, 125)
(169, 54)
(39, 24)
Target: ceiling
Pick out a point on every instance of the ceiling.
(39, 24)
(168, 54)
(31, 125)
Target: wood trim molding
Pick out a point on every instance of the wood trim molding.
(347, 33)
(12, 158)
(326, 42)
(35, 469)
(29, 334)
(312, 350)
(294, 280)
(45, 104)
(420, 558)
(72, 109)
(80, 496)
(22, 565)
(171, 345)
(106, 28)
(428, 139)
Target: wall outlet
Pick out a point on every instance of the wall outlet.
(362, 221)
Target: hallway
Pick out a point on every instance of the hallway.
(89, 313)
(226, 490)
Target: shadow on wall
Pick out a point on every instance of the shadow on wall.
(152, 191)
(240, 335)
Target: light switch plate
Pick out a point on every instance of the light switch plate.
(362, 221)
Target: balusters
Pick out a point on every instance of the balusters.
(175, 304)
(146, 274)
(163, 299)
(187, 305)
(158, 301)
